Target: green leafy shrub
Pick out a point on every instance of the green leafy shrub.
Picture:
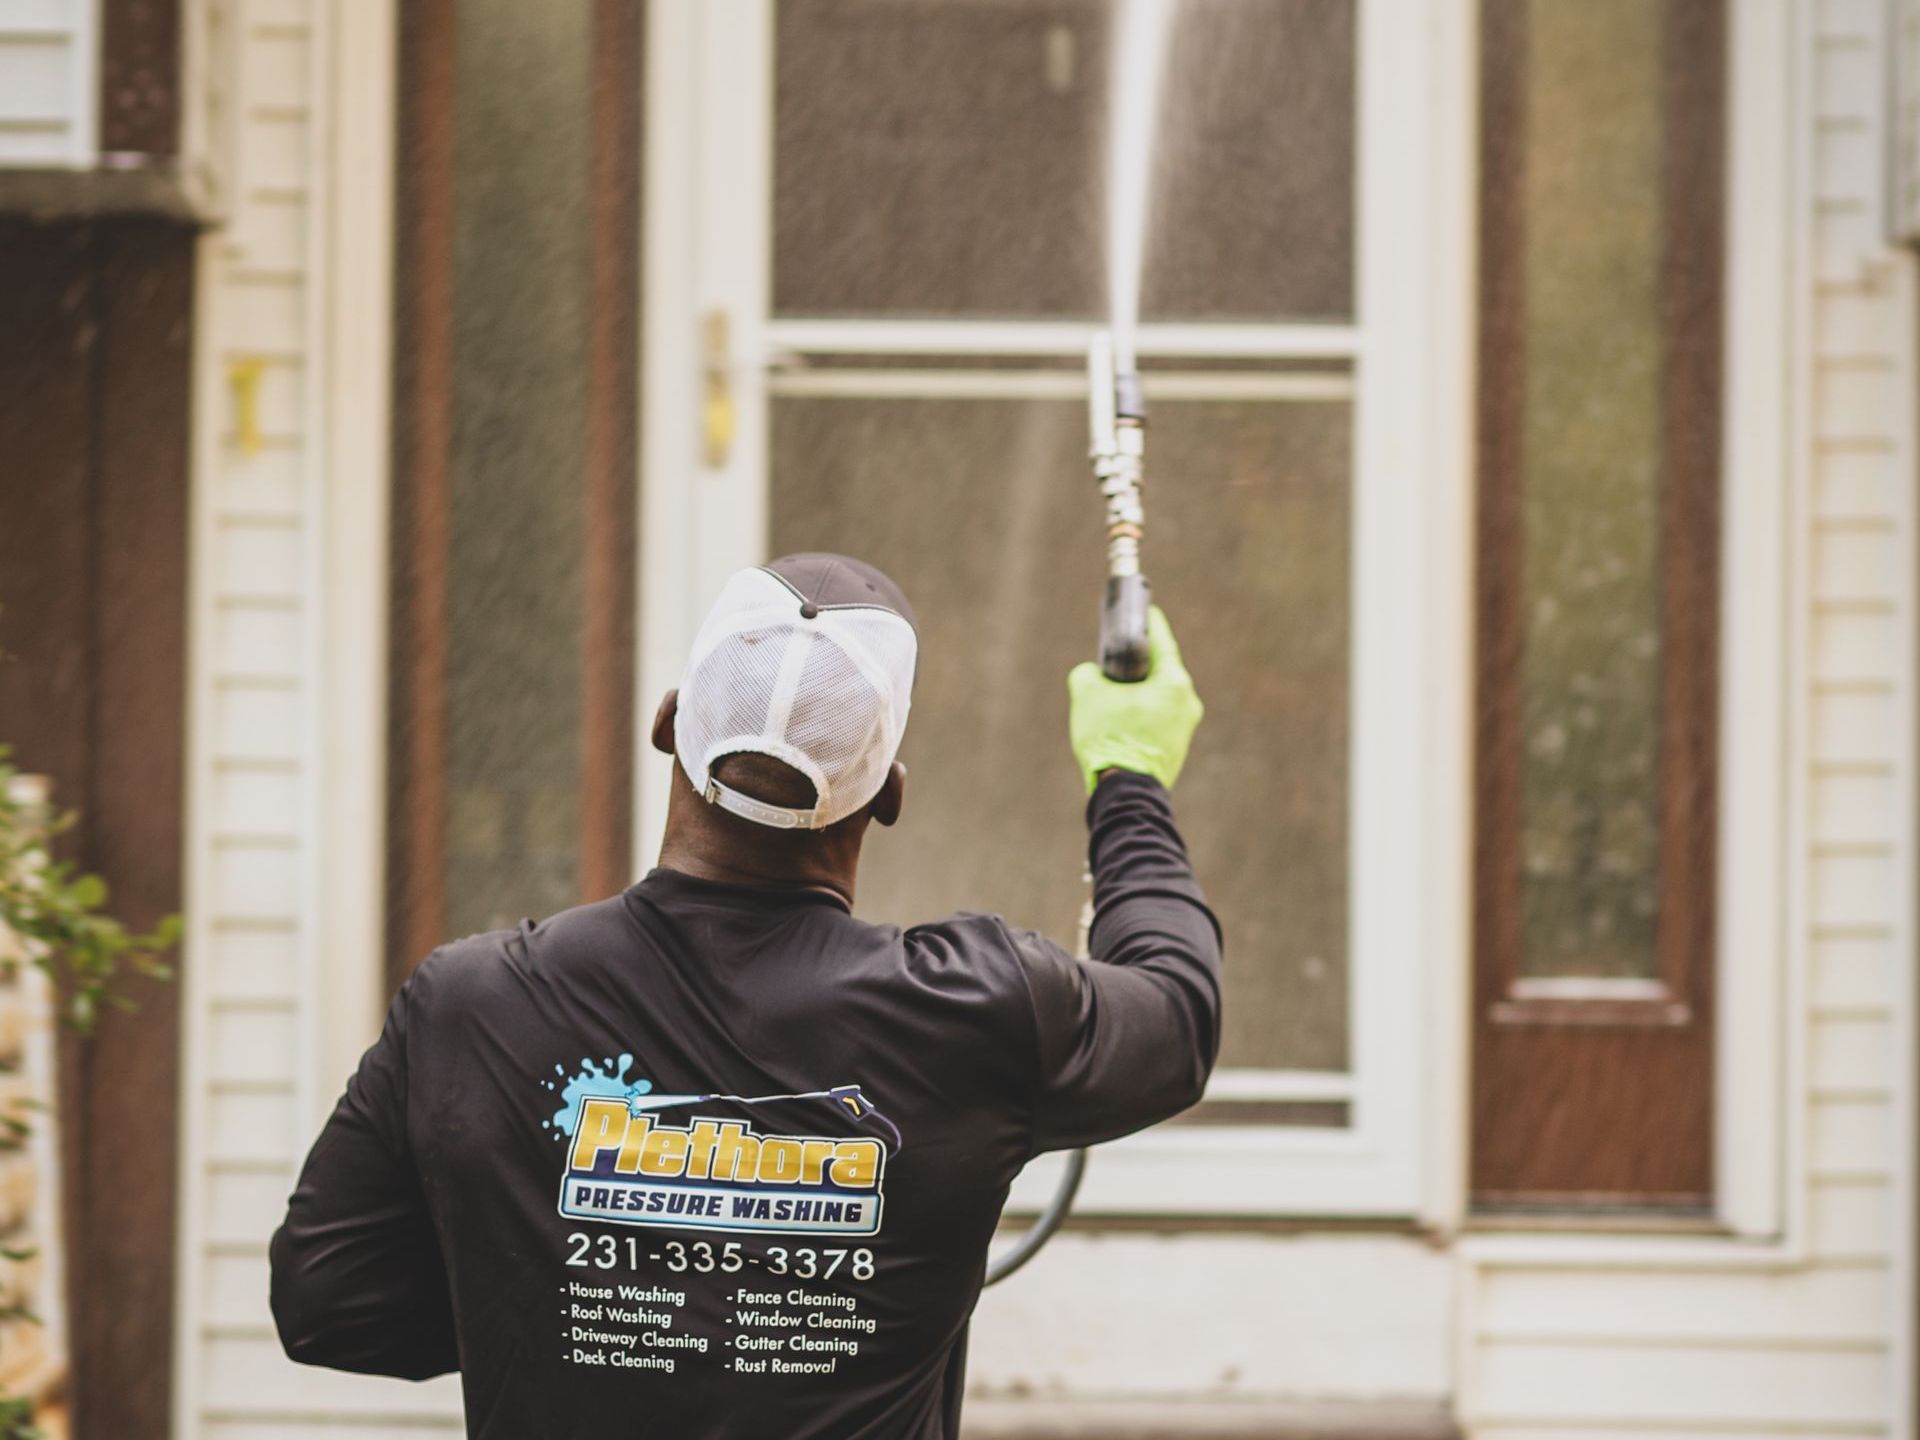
(16, 1421)
(58, 914)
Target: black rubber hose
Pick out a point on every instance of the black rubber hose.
(1049, 1221)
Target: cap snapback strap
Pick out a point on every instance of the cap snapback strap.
(779, 816)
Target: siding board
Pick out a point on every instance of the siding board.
(247, 1205)
(250, 960)
(255, 879)
(1852, 1054)
(1762, 1388)
(253, 1045)
(252, 1124)
(1842, 234)
(1853, 971)
(1759, 1306)
(1855, 562)
(1859, 484)
(1850, 726)
(256, 639)
(1852, 1221)
(1852, 809)
(1852, 889)
(1850, 1137)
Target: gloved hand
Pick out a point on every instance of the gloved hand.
(1145, 726)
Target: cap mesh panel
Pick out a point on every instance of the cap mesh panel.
(849, 706)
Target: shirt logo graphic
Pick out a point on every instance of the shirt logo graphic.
(637, 1158)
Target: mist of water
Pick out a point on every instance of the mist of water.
(1138, 59)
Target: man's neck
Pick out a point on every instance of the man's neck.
(757, 872)
(708, 843)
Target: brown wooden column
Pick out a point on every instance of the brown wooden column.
(94, 357)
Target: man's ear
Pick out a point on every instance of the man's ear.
(663, 722)
(893, 795)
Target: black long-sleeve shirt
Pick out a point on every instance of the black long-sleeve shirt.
(705, 1160)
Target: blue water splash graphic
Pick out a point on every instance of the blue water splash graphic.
(607, 1079)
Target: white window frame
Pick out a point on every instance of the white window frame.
(708, 231)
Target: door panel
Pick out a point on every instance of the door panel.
(1599, 572)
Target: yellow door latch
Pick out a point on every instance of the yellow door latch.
(716, 407)
(243, 378)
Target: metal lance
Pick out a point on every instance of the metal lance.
(1118, 430)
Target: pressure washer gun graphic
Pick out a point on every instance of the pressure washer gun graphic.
(1118, 415)
(849, 1100)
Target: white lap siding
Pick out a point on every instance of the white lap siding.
(254, 1063)
(1806, 1338)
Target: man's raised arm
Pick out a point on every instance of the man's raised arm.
(1131, 1038)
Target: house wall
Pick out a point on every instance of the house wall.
(1549, 1335)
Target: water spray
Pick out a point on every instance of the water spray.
(1140, 43)
(1117, 432)
(1118, 410)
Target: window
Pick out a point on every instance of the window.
(515, 440)
(1599, 476)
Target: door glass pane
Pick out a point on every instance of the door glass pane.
(1591, 436)
(515, 430)
(997, 541)
(950, 159)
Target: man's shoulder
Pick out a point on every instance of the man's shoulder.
(972, 931)
(478, 963)
(985, 946)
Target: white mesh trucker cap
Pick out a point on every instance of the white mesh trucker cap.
(809, 659)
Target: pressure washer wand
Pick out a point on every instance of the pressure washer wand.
(1118, 429)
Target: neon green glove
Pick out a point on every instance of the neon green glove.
(1144, 726)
